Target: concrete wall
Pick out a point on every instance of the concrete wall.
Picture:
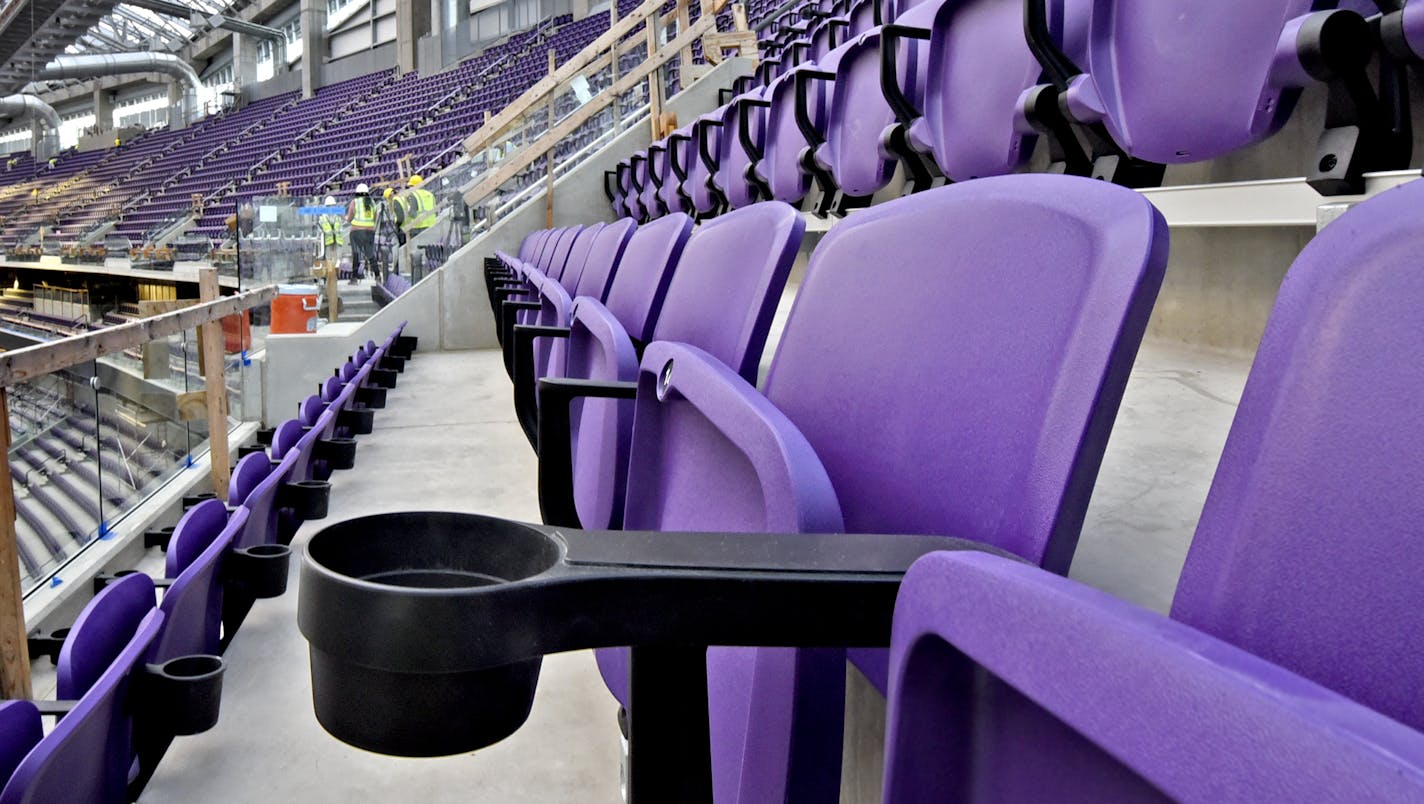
(303, 361)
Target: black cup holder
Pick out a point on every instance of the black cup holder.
(358, 420)
(426, 629)
(393, 583)
(373, 398)
(158, 537)
(383, 377)
(249, 449)
(405, 346)
(185, 693)
(337, 453)
(260, 570)
(42, 644)
(390, 361)
(265, 435)
(190, 500)
(308, 498)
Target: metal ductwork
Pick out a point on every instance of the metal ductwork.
(93, 65)
(29, 106)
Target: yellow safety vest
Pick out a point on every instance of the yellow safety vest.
(363, 216)
(423, 217)
(330, 230)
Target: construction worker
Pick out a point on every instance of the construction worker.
(361, 215)
(331, 227)
(418, 208)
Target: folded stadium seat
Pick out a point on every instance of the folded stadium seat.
(613, 188)
(743, 129)
(979, 68)
(1230, 79)
(578, 256)
(90, 752)
(859, 118)
(1289, 667)
(653, 167)
(700, 185)
(633, 199)
(679, 155)
(906, 437)
(720, 296)
(795, 127)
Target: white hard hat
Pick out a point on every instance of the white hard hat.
(330, 201)
(362, 188)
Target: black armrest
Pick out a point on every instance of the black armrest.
(890, 36)
(607, 189)
(104, 579)
(556, 470)
(678, 169)
(526, 403)
(803, 104)
(55, 708)
(508, 317)
(709, 160)
(744, 128)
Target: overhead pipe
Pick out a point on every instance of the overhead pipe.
(28, 105)
(92, 65)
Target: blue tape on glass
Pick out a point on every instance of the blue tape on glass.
(104, 531)
(55, 581)
(338, 210)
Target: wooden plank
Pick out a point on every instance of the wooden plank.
(14, 647)
(210, 336)
(478, 191)
(494, 129)
(19, 365)
(549, 160)
(655, 84)
(684, 21)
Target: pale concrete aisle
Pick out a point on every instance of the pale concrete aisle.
(447, 440)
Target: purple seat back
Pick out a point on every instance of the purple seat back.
(578, 256)
(559, 256)
(859, 115)
(263, 512)
(554, 306)
(285, 438)
(1016, 458)
(310, 410)
(192, 606)
(348, 371)
(1316, 498)
(700, 186)
(635, 294)
(88, 754)
(653, 170)
(1304, 559)
(680, 149)
(604, 255)
(331, 389)
(250, 471)
(979, 66)
(733, 160)
(526, 246)
(21, 729)
(721, 298)
(1218, 87)
(637, 180)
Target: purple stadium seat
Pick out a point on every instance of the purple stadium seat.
(89, 753)
(978, 69)
(1230, 79)
(1010, 463)
(192, 605)
(743, 124)
(700, 185)
(679, 155)
(1289, 667)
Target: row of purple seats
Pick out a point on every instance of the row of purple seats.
(645, 467)
(947, 410)
(133, 675)
(951, 91)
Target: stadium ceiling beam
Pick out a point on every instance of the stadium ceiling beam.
(196, 15)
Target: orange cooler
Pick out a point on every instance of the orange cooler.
(294, 309)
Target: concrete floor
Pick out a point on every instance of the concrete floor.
(448, 440)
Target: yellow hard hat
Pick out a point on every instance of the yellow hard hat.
(388, 193)
(415, 180)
